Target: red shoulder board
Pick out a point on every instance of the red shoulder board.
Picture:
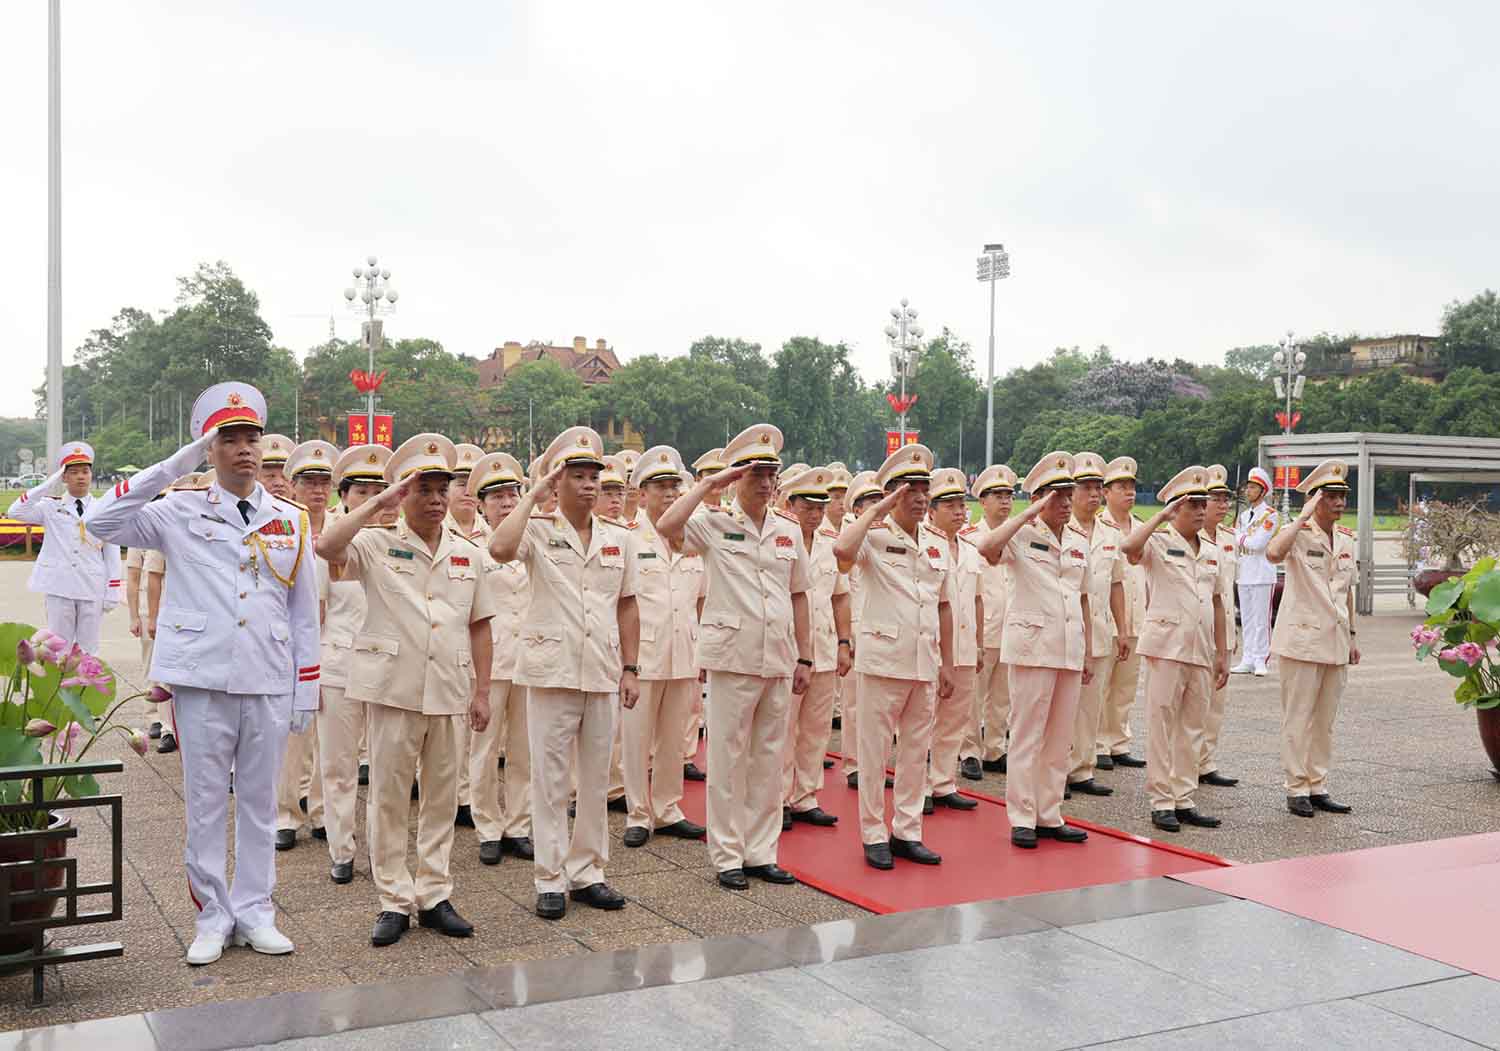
(1346, 530)
(831, 533)
(788, 516)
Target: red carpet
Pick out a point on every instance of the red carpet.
(1428, 898)
(979, 863)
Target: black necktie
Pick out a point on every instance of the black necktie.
(244, 506)
(80, 507)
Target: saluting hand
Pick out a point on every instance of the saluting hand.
(1036, 507)
(720, 479)
(1311, 505)
(890, 499)
(390, 498)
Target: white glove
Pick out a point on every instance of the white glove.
(302, 722)
(191, 455)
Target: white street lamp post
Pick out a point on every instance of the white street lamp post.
(1289, 363)
(905, 336)
(994, 266)
(372, 288)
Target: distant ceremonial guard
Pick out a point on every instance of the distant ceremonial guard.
(984, 745)
(579, 647)
(237, 644)
(904, 654)
(1044, 645)
(754, 636)
(1183, 643)
(669, 585)
(1223, 541)
(421, 665)
(275, 450)
(1314, 638)
(1253, 531)
(77, 574)
(1113, 744)
(949, 511)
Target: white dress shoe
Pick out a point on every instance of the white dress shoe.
(1260, 670)
(206, 948)
(265, 939)
(1242, 668)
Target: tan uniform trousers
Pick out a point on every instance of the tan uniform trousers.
(616, 783)
(653, 727)
(558, 723)
(694, 724)
(746, 736)
(1213, 722)
(1086, 724)
(904, 707)
(341, 724)
(1043, 709)
(1176, 702)
(849, 726)
(398, 739)
(952, 719)
(492, 820)
(809, 725)
(985, 736)
(1119, 697)
(299, 776)
(1309, 703)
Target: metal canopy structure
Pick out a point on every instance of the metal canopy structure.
(1435, 457)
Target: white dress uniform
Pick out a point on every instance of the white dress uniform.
(78, 574)
(1257, 577)
(237, 642)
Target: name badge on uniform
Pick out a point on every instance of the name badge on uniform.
(457, 561)
(396, 552)
(1038, 546)
(610, 552)
(1177, 551)
(214, 518)
(646, 554)
(783, 541)
(555, 542)
(1075, 552)
(1316, 552)
(1212, 561)
(734, 536)
(895, 550)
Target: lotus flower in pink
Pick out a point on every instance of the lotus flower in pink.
(25, 652)
(38, 728)
(1425, 636)
(49, 646)
(89, 671)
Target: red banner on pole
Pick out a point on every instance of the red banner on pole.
(894, 441)
(359, 430)
(1281, 477)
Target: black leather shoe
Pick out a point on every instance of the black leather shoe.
(319, 832)
(1062, 833)
(286, 838)
(954, 801)
(302, 804)
(465, 817)
(618, 805)
(1190, 816)
(490, 852)
(690, 772)
(551, 905)
(733, 879)
(1103, 762)
(364, 773)
(636, 835)
(1091, 788)
(828, 764)
(1067, 791)
(342, 872)
(890, 782)
(878, 856)
(915, 850)
(994, 766)
(599, 896)
(154, 732)
(1300, 806)
(1125, 759)
(683, 829)
(1166, 820)
(971, 769)
(770, 873)
(444, 919)
(927, 805)
(168, 743)
(816, 816)
(852, 780)
(1023, 837)
(1217, 780)
(520, 846)
(1325, 803)
(786, 819)
(389, 927)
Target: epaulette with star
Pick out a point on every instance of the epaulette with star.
(788, 516)
(612, 521)
(831, 533)
(289, 500)
(970, 535)
(1346, 530)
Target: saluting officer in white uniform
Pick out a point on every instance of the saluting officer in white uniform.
(1253, 531)
(236, 642)
(78, 574)
(711, 462)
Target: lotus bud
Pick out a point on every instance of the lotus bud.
(38, 728)
(158, 694)
(138, 742)
(25, 652)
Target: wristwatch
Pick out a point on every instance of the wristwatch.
(846, 642)
(804, 662)
(634, 669)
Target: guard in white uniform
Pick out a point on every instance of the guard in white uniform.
(78, 574)
(237, 643)
(1257, 577)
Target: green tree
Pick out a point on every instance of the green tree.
(742, 358)
(947, 398)
(692, 403)
(1253, 361)
(539, 400)
(1471, 333)
(17, 434)
(813, 396)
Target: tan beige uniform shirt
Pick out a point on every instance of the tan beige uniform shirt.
(994, 584)
(511, 591)
(966, 577)
(1180, 615)
(825, 581)
(343, 616)
(480, 534)
(668, 585)
(413, 652)
(1313, 621)
(904, 579)
(571, 636)
(1106, 568)
(752, 575)
(1223, 540)
(1135, 585)
(1044, 625)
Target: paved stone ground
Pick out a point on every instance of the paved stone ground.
(1407, 758)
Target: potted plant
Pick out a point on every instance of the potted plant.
(57, 703)
(1442, 539)
(1462, 632)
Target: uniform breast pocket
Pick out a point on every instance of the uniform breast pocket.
(398, 576)
(461, 581)
(180, 637)
(375, 660)
(1023, 633)
(209, 547)
(281, 635)
(543, 648)
(718, 634)
(1160, 629)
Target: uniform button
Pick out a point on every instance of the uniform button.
(244, 593)
(242, 566)
(434, 627)
(242, 622)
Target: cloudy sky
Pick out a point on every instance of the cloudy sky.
(1171, 179)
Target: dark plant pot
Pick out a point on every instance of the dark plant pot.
(1428, 579)
(15, 846)
(1489, 736)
